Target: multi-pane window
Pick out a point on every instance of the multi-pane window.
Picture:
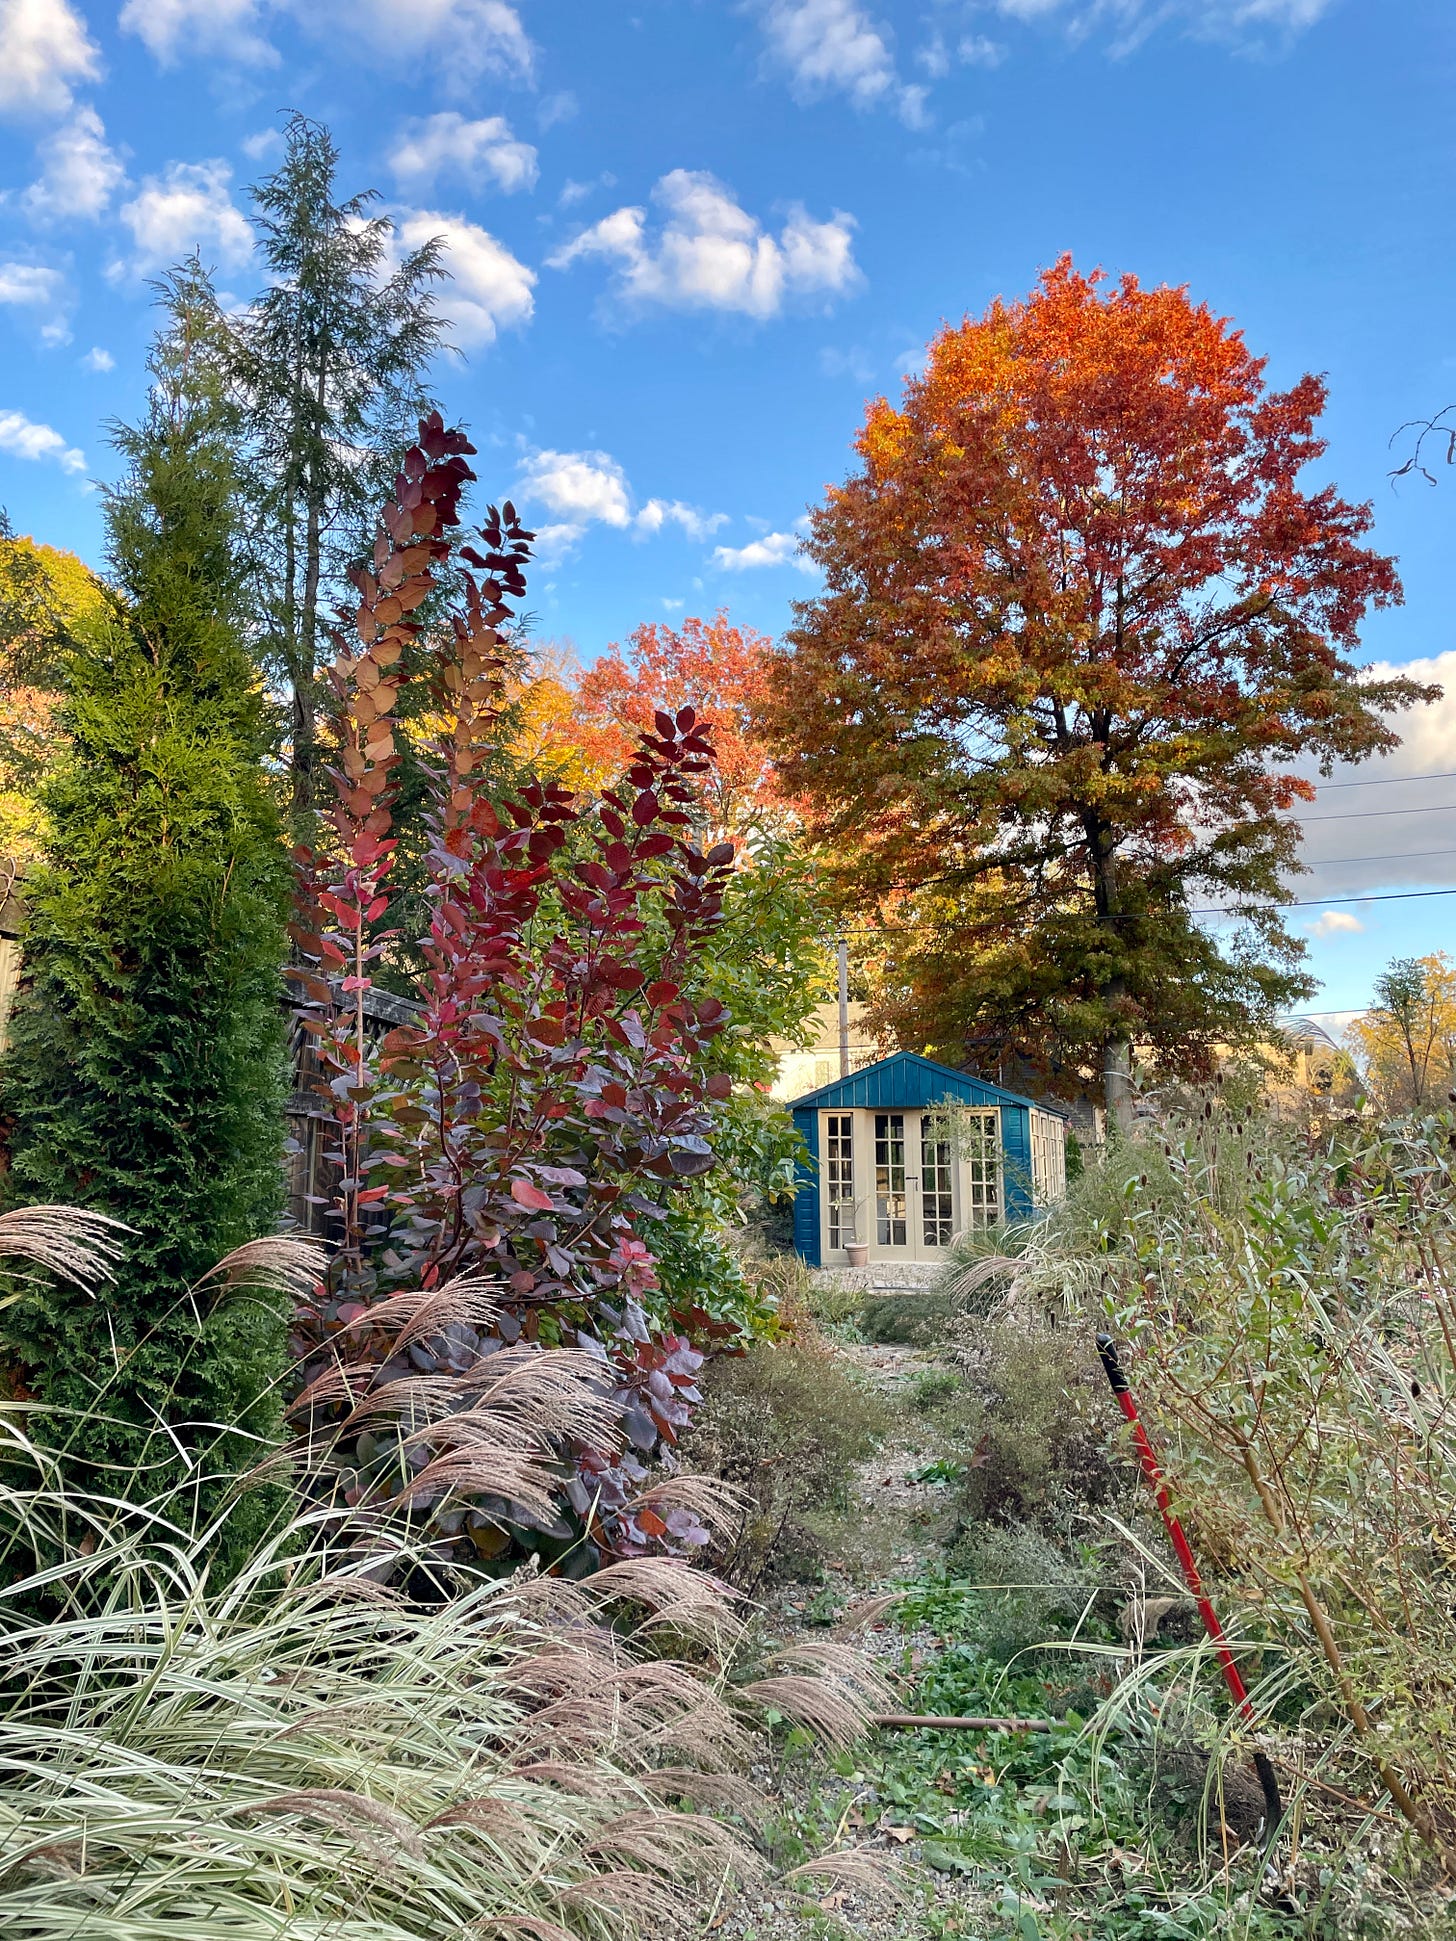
(890, 1196)
(839, 1176)
(980, 1135)
(1048, 1158)
(937, 1188)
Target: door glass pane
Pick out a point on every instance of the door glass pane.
(839, 1176)
(983, 1168)
(890, 1201)
(937, 1203)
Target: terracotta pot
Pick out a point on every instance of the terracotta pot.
(858, 1252)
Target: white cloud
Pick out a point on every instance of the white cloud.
(22, 439)
(470, 38)
(97, 359)
(1358, 838)
(488, 287)
(1335, 923)
(554, 108)
(660, 512)
(41, 289)
(79, 174)
(44, 48)
(581, 488)
(710, 254)
(584, 489)
(835, 47)
(448, 144)
(187, 207)
(172, 29)
(266, 142)
(31, 285)
(579, 191)
(976, 50)
(1134, 20)
(774, 549)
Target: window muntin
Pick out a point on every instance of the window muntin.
(1048, 1158)
(839, 1176)
(980, 1137)
(937, 1188)
(891, 1202)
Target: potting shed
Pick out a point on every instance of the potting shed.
(906, 1154)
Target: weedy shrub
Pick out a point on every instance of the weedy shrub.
(1035, 1420)
(785, 1424)
(1288, 1301)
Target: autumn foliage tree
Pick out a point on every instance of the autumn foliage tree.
(1406, 1041)
(709, 664)
(1080, 616)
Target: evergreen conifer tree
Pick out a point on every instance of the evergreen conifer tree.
(146, 1067)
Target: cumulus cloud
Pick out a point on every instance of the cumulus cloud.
(44, 50)
(187, 207)
(24, 439)
(488, 287)
(80, 172)
(43, 291)
(836, 47)
(97, 359)
(447, 144)
(1394, 835)
(1335, 923)
(582, 489)
(708, 253)
(774, 549)
(658, 513)
(479, 37)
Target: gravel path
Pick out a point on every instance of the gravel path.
(906, 1522)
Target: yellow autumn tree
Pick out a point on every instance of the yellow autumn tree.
(45, 594)
(1406, 1041)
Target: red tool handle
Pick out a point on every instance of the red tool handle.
(1117, 1381)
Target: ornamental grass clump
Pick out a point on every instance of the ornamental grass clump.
(297, 1749)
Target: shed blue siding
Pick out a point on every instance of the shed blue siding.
(806, 1200)
(907, 1082)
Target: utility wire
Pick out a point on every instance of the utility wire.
(1215, 910)
(1406, 856)
(1362, 815)
(1388, 781)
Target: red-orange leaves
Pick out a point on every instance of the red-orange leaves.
(1082, 613)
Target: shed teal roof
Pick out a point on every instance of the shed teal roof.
(907, 1079)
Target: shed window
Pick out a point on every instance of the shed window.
(937, 1187)
(839, 1176)
(890, 1196)
(1048, 1158)
(980, 1137)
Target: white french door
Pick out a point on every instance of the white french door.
(895, 1182)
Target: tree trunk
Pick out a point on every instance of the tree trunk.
(1116, 1048)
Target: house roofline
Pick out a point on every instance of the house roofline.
(806, 1099)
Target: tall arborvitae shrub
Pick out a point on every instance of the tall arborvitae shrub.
(146, 1067)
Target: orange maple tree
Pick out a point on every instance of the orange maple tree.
(1080, 617)
(709, 664)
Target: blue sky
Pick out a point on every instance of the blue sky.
(690, 237)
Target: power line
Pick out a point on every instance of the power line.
(1214, 910)
(1406, 856)
(1363, 815)
(1388, 781)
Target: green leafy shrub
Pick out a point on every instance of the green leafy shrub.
(786, 1425)
(145, 1077)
